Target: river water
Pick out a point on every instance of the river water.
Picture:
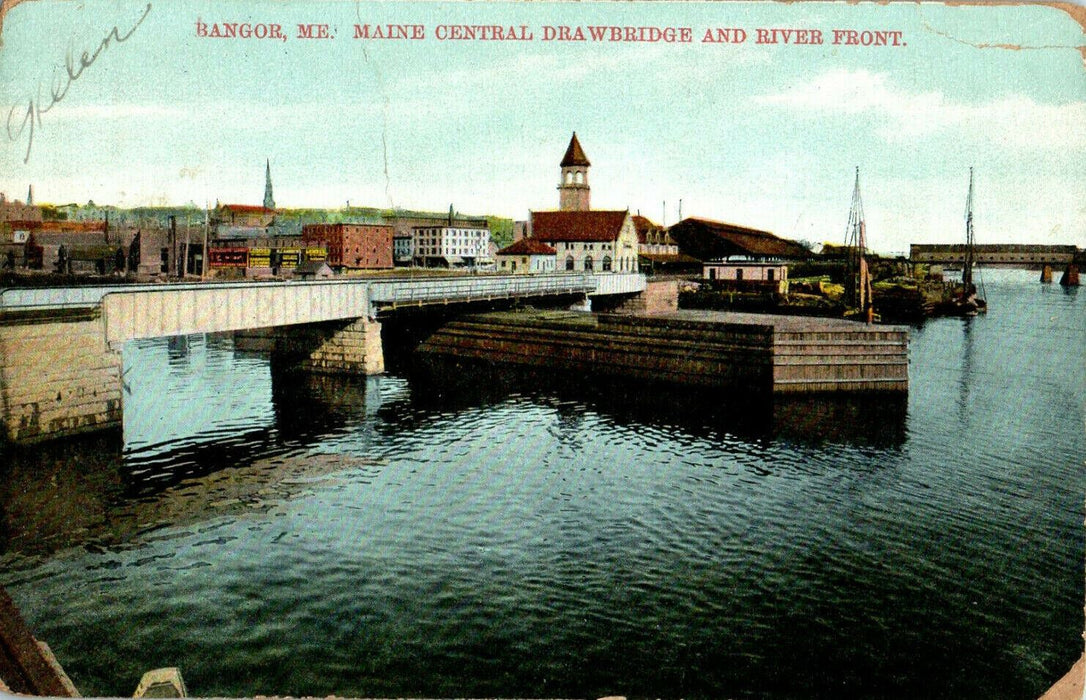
(487, 536)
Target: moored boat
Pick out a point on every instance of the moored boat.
(965, 299)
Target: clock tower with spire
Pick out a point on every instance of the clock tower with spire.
(573, 190)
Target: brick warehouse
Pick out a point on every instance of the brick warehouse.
(353, 246)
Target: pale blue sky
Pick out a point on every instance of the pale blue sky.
(766, 136)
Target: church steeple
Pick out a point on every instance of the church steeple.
(269, 201)
(30, 196)
(573, 190)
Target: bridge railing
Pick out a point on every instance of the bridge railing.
(20, 298)
(430, 290)
(619, 283)
(389, 290)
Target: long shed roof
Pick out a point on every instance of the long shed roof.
(707, 239)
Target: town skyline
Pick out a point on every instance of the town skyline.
(765, 136)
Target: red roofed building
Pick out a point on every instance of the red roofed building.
(525, 256)
(600, 241)
(228, 218)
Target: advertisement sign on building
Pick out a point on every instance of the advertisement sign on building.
(289, 257)
(260, 257)
(221, 258)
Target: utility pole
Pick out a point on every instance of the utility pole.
(204, 259)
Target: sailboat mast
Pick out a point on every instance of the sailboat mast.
(967, 263)
(859, 281)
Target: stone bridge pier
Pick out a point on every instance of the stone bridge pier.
(657, 296)
(58, 377)
(351, 346)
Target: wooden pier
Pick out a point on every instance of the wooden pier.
(760, 353)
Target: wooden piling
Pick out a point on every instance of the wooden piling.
(27, 666)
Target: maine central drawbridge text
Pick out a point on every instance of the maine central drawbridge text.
(557, 33)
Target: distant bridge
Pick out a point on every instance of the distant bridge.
(60, 366)
(1012, 255)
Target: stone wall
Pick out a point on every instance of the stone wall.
(618, 346)
(761, 354)
(658, 297)
(57, 376)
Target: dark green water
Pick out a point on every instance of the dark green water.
(397, 537)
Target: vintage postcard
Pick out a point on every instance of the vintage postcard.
(542, 349)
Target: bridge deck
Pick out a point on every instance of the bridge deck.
(154, 310)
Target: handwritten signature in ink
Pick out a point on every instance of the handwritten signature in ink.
(63, 77)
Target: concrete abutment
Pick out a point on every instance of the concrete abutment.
(58, 376)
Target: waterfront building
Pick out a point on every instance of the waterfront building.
(592, 241)
(652, 238)
(584, 240)
(240, 221)
(263, 256)
(526, 255)
(88, 247)
(705, 239)
(451, 246)
(747, 276)
(657, 250)
(16, 211)
(353, 246)
(314, 269)
(404, 223)
(403, 249)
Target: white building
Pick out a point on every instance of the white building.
(403, 249)
(747, 276)
(526, 256)
(594, 241)
(450, 246)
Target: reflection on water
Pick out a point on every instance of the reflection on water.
(444, 385)
(454, 532)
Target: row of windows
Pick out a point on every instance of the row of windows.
(452, 250)
(624, 264)
(770, 275)
(511, 265)
(562, 245)
(456, 232)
